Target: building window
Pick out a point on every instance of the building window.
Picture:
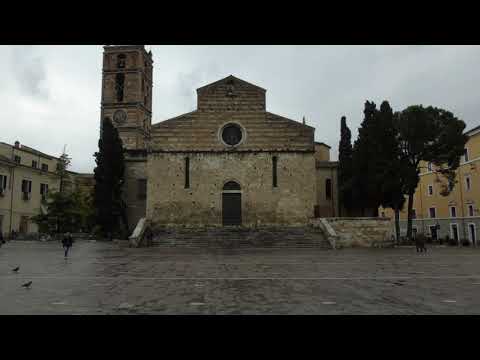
(414, 214)
(232, 134)
(429, 166)
(26, 189)
(44, 167)
(187, 173)
(121, 60)
(274, 171)
(119, 85)
(383, 214)
(328, 189)
(465, 154)
(17, 159)
(34, 164)
(231, 185)
(451, 185)
(468, 183)
(432, 213)
(430, 190)
(453, 211)
(3, 184)
(142, 189)
(44, 191)
(471, 210)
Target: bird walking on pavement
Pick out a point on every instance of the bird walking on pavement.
(16, 269)
(27, 285)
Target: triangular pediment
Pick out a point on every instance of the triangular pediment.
(230, 94)
(229, 79)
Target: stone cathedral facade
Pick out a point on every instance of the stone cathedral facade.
(230, 162)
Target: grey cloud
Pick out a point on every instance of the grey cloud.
(321, 82)
(30, 71)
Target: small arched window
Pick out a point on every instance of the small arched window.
(328, 189)
(121, 59)
(119, 86)
(231, 185)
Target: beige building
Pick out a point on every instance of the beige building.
(456, 215)
(26, 177)
(230, 162)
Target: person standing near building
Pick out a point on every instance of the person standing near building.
(67, 243)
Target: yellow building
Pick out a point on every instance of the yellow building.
(26, 177)
(456, 215)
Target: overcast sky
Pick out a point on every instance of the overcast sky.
(50, 95)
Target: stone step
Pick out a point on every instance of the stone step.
(241, 238)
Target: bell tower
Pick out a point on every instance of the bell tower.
(127, 92)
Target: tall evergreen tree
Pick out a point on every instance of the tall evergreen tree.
(109, 178)
(392, 177)
(365, 161)
(345, 174)
(431, 135)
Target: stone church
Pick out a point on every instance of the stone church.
(230, 162)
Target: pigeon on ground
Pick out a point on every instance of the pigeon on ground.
(27, 285)
(16, 269)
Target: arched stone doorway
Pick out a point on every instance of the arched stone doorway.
(231, 204)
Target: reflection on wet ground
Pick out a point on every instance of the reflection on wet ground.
(105, 278)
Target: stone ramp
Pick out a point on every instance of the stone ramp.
(304, 237)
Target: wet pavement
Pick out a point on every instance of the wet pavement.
(105, 278)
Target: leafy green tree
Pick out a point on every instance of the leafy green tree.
(345, 175)
(62, 214)
(109, 179)
(431, 135)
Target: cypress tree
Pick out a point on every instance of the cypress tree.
(109, 178)
(345, 153)
(365, 156)
(392, 177)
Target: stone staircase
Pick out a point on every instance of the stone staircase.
(287, 237)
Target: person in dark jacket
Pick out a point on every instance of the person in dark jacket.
(2, 240)
(67, 243)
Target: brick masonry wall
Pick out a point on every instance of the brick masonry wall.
(231, 94)
(201, 131)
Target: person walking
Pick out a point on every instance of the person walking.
(2, 240)
(67, 243)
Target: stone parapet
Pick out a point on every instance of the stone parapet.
(356, 232)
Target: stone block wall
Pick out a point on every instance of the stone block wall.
(171, 204)
(358, 232)
(135, 170)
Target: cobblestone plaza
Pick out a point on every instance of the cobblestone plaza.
(105, 278)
